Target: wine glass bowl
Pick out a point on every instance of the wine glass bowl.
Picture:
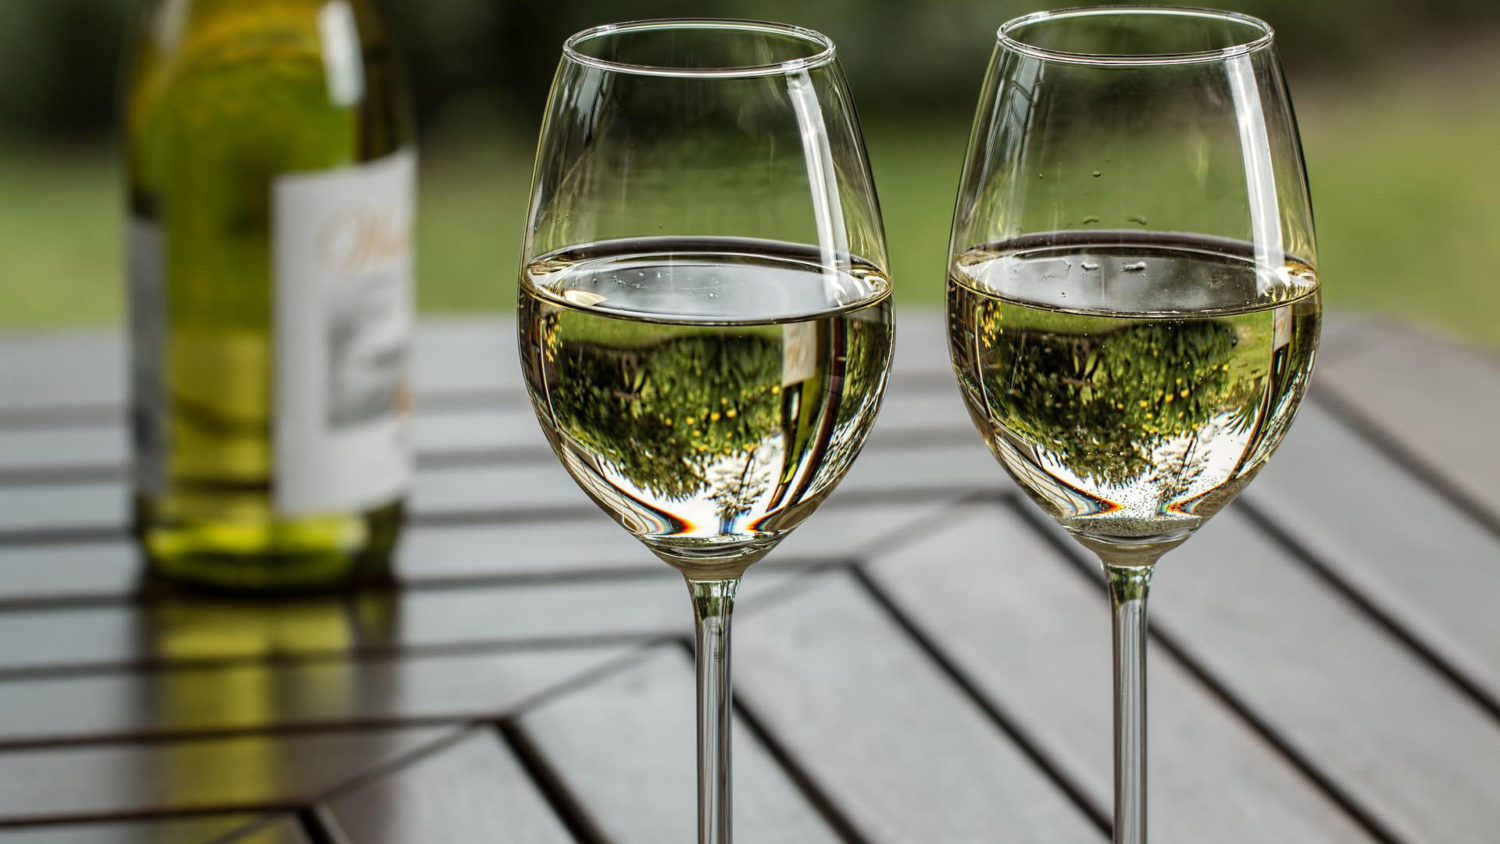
(1132, 275)
(705, 315)
(1133, 300)
(704, 319)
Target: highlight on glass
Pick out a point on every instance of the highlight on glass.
(705, 323)
(1133, 304)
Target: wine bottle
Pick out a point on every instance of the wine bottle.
(271, 204)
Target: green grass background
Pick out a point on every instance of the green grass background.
(1405, 172)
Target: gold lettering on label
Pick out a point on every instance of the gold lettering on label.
(361, 239)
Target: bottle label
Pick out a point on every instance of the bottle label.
(146, 250)
(342, 246)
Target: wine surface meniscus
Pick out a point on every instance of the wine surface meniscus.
(1131, 383)
(708, 394)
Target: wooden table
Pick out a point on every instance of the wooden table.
(925, 661)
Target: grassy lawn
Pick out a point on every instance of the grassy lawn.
(1405, 176)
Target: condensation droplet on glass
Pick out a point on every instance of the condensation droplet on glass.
(1137, 267)
(1090, 219)
(1136, 218)
(1089, 266)
(1098, 173)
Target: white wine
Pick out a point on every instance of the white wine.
(271, 199)
(1131, 383)
(708, 394)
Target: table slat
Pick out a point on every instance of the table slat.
(59, 372)
(59, 510)
(1414, 752)
(107, 570)
(166, 831)
(1399, 544)
(485, 431)
(593, 543)
(182, 702)
(471, 791)
(890, 738)
(204, 630)
(1032, 632)
(623, 748)
(451, 355)
(1435, 401)
(439, 553)
(64, 371)
(284, 830)
(196, 631)
(944, 465)
(1388, 481)
(232, 773)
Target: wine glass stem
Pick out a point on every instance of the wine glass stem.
(713, 604)
(1128, 586)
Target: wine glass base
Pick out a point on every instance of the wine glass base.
(1131, 550)
(707, 560)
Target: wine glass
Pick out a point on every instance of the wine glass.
(705, 321)
(1133, 308)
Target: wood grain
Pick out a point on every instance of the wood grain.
(61, 372)
(168, 831)
(1032, 632)
(912, 451)
(203, 630)
(183, 702)
(68, 370)
(889, 737)
(107, 570)
(452, 357)
(1403, 547)
(473, 790)
(284, 830)
(479, 427)
(62, 509)
(1435, 402)
(1410, 749)
(429, 554)
(623, 748)
(596, 545)
(521, 597)
(260, 772)
(189, 630)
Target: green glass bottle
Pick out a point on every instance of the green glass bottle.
(272, 182)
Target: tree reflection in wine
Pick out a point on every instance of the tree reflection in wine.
(1105, 403)
(704, 400)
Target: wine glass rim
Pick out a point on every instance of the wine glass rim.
(823, 55)
(1263, 38)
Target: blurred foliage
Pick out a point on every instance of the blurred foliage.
(490, 61)
(1399, 115)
